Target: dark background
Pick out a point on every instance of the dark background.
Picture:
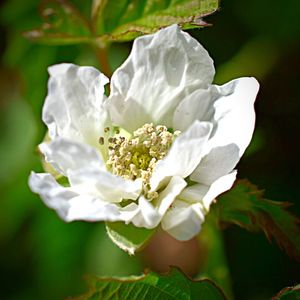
(41, 257)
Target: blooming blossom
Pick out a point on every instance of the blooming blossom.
(158, 150)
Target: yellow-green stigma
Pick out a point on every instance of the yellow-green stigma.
(137, 156)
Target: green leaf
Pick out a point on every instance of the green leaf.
(174, 285)
(289, 293)
(128, 237)
(245, 206)
(125, 20)
(121, 20)
(62, 24)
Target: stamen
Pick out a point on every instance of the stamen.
(111, 140)
(101, 140)
(137, 157)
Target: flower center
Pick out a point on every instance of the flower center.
(137, 156)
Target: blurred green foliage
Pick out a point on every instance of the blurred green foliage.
(41, 257)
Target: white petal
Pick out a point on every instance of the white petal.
(168, 195)
(206, 194)
(129, 211)
(235, 113)
(74, 104)
(183, 221)
(220, 186)
(194, 193)
(53, 195)
(198, 105)
(88, 208)
(234, 118)
(161, 70)
(218, 162)
(148, 216)
(184, 155)
(70, 205)
(109, 187)
(65, 155)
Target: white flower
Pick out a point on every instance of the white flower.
(158, 150)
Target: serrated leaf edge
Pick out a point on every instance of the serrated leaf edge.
(133, 279)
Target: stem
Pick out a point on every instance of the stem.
(102, 56)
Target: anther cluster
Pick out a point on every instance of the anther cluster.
(136, 157)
